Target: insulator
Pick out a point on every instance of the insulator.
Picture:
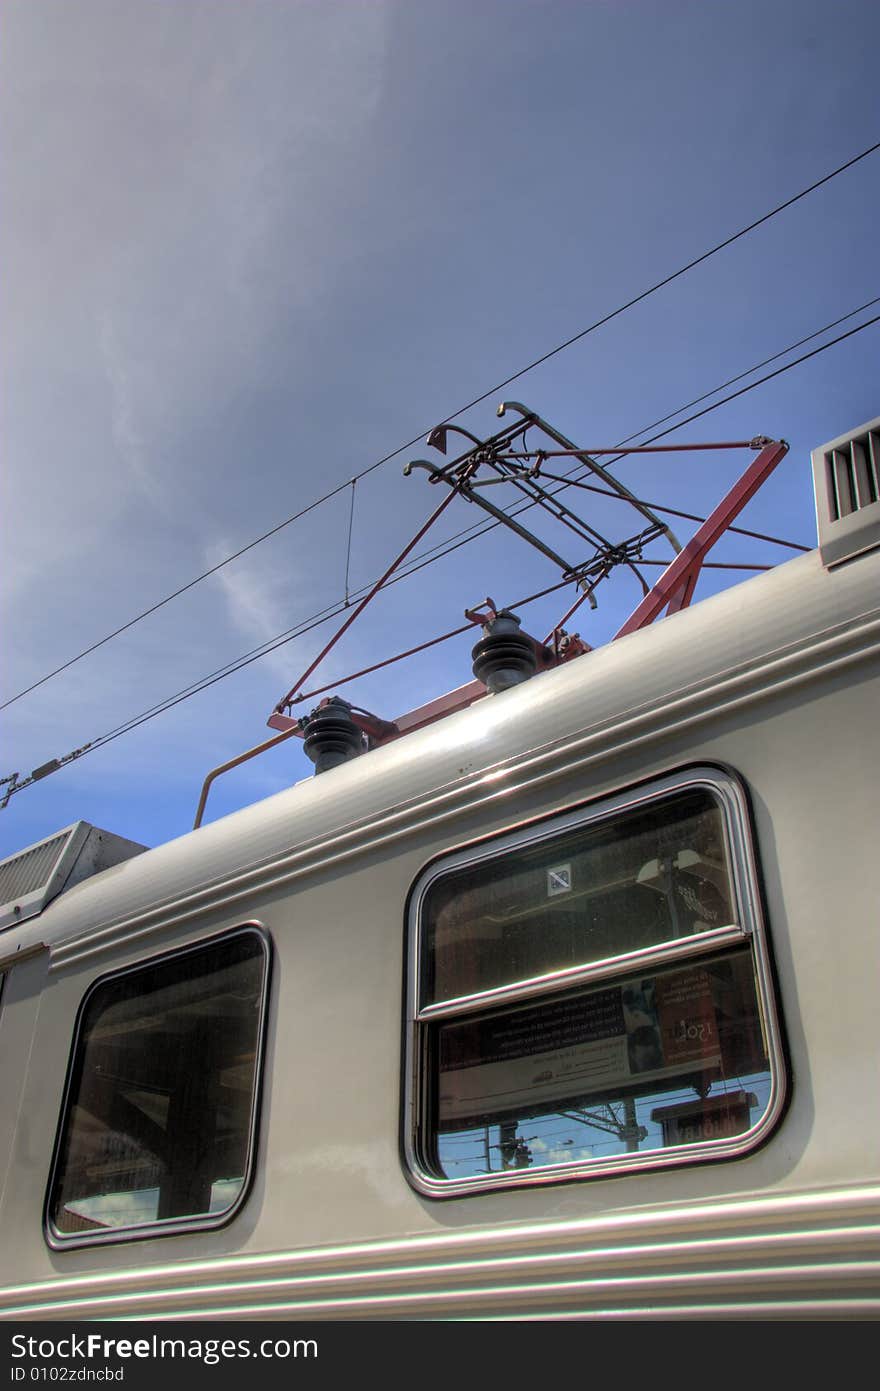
(504, 656)
(331, 735)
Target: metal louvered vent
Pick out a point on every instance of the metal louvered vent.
(846, 478)
(32, 868)
(33, 877)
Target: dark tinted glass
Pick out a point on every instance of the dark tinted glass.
(634, 880)
(160, 1110)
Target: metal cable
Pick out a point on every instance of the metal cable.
(477, 400)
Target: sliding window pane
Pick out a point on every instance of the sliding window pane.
(640, 878)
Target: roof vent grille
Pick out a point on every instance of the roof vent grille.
(846, 476)
(33, 877)
(32, 869)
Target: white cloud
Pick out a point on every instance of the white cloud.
(128, 434)
(257, 602)
(563, 1153)
(175, 207)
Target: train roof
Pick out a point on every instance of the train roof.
(686, 666)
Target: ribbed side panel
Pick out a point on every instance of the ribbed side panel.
(810, 1256)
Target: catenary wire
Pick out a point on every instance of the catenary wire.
(570, 480)
(478, 529)
(757, 367)
(477, 400)
(333, 611)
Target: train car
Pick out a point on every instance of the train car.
(562, 1007)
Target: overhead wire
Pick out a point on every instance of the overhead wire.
(757, 367)
(477, 400)
(478, 529)
(348, 543)
(334, 610)
(805, 357)
(570, 480)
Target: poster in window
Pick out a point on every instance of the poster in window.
(605, 1040)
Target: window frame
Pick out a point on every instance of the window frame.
(419, 1075)
(172, 1226)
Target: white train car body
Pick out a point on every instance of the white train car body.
(396, 1001)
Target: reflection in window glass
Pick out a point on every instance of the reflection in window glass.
(648, 876)
(160, 1110)
(638, 1055)
(668, 1059)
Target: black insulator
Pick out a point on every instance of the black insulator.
(331, 735)
(504, 656)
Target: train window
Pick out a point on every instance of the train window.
(592, 994)
(158, 1123)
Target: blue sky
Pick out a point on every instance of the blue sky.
(251, 248)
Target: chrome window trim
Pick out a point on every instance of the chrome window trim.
(64, 1241)
(749, 929)
(664, 954)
